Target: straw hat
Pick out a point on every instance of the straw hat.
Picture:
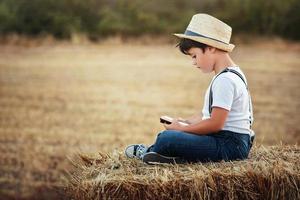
(208, 30)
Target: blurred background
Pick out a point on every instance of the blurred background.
(100, 18)
(94, 76)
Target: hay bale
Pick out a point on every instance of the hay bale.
(269, 173)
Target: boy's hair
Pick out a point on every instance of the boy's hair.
(186, 44)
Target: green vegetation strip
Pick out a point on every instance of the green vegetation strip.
(101, 18)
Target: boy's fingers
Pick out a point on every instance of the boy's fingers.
(166, 126)
(181, 119)
(175, 121)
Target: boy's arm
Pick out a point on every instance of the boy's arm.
(212, 125)
(193, 119)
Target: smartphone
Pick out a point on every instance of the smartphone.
(168, 120)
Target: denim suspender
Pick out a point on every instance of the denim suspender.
(211, 93)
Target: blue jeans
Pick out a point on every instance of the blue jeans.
(223, 145)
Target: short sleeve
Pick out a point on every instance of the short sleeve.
(223, 92)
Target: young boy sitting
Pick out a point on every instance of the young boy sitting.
(223, 132)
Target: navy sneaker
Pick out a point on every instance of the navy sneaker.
(136, 151)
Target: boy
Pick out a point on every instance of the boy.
(224, 130)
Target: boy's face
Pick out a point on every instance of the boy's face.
(202, 60)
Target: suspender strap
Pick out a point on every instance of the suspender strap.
(211, 92)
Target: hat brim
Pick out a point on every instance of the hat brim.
(208, 41)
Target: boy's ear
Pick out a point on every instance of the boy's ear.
(211, 49)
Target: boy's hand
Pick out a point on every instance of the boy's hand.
(175, 125)
(182, 120)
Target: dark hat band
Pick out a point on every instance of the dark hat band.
(191, 33)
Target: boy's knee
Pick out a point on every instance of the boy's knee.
(164, 142)
(166, 135)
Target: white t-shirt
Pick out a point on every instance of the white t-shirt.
(230, 93)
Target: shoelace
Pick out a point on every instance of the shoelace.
(140, 151)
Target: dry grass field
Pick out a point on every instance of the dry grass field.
(59, 100)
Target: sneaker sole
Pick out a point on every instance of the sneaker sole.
(155, 158)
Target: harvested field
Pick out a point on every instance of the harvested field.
(58, 100)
